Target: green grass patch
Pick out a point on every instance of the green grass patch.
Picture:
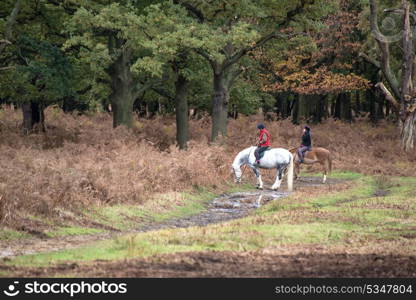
(122, 217)
(65, 231)
(192, 203)
(364, 188)
(10, 234)
(336, 174)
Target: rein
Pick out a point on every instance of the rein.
(293, 149)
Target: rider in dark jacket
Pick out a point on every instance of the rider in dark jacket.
(306, 143)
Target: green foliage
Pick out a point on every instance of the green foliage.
(47, 68)
(167, 38)
(45, 74)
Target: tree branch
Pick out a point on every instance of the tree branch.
(388, 96)
(7, 68)
(5, 42)
(399, 11)
(370, 60)
(8, 33)
(162, 93)
(233, 59)
(384, 48)
(289, 17)
(408, 55)
(144, 86)
(207, 57)
(294, 12)
(192, 9)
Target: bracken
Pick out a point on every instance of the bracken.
(81, 160)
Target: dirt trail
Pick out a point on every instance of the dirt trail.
(288, 261)
(225, 207)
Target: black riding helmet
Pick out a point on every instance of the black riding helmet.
(260, 126)
(307, 128)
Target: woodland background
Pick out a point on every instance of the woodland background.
(101, 98)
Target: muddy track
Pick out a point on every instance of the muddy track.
(224, 208)
(310, 261)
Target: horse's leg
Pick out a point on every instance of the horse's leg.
(326, 167)
(258, 177)
(279, 176)
(260, 182)
(297, 170)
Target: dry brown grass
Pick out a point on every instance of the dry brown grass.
(81, 160)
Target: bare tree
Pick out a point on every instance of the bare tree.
(401, 93)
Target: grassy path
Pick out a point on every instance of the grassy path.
(366, 216)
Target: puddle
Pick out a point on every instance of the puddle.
(223, 208)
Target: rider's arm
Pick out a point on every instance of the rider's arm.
(263, 139)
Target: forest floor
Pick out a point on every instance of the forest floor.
(83, 199)
(224, 207)
(354, 226)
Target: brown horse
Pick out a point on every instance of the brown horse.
(316, 155)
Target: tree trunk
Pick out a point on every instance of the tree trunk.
(346, 107)
(408, 134)
(220, 105)
(319, 108)
(343, 107)
(122, 105)
(337, 107)
(122, 85)
(181, 108)
(357, 104)
(387, 109)
(282, 104)
(32, 114)
(295, 110)
(408, 102)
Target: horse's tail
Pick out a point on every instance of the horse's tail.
(290, 174)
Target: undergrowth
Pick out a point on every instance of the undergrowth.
(82, 162)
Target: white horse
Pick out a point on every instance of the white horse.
(278, 158)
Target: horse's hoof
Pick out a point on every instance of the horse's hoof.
(259, 187)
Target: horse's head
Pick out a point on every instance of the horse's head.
(239, 160)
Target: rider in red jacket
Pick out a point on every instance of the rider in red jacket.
(264, 142)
